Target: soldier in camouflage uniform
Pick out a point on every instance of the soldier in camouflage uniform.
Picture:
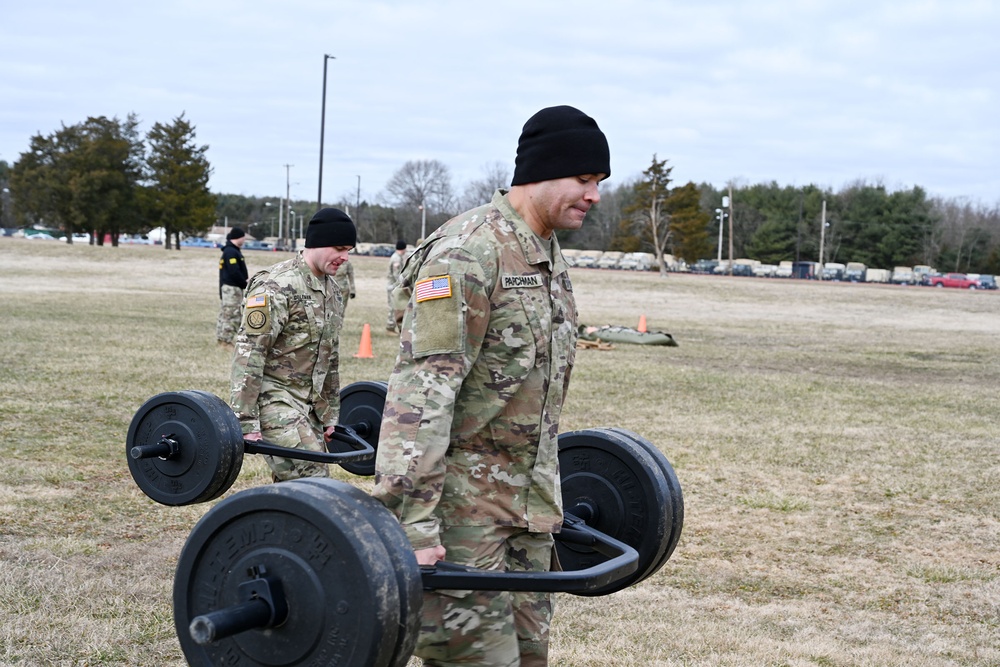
(395, 266)
(232, 282)
(467, 456)
(285, 379)
(345, 281)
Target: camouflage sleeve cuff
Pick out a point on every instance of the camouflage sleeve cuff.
(423, 534)
(250, 427)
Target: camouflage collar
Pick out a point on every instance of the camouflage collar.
(311, 280)
(536, 249)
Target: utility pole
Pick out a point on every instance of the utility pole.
(322, 130)
(730, 229)
(288, 203)
(822, 236)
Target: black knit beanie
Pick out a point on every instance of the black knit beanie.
(235, 233)
(331, 227)
(400, 245)
(558, 142)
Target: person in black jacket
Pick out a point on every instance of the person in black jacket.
(232, 281)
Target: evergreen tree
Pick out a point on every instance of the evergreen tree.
(82, 177)
(648, 210)
(689, 224)
(178, 172)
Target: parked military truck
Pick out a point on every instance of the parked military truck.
(587, 259)
(855, 272)
(902, 275)
(610, 259)
(878, 276)
(833, 271)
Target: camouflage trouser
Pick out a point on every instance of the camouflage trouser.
(489, 627)
(229, 314)
(390, 320)
(284, 425)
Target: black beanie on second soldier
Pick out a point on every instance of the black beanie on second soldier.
(331, 227)
(235, 233)
(558, 142)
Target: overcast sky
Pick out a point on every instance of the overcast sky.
(799, 92)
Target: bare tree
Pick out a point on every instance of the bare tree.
(421, 182)
(495, 175)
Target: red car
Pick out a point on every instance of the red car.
(959, 280)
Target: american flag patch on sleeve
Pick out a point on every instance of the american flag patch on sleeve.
(433, 288)
(256, 301)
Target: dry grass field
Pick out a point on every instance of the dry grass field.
(836, 443)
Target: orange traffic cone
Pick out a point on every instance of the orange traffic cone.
(365, 348)
(642, 324)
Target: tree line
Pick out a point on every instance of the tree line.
(101, 176)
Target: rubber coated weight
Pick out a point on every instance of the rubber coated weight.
(618, 488)
(361, 405)
(404, 564)
(206, 442)
(675, 495)
(336, 575)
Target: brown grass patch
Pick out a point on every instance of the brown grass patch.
(836, 444)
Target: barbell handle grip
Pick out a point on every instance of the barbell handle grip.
(624, 560)
(249, 615)
(341, 433)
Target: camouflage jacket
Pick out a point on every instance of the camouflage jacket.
(395, 266)
(345, 279)
(288, 345)
(471, 415)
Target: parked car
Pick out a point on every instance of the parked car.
(959, 280)
(636, 261)
(41, 236)
(587, 259)
(195, 242)
(610, 259)
(258, 245)
(81, 238)
(987, 281)
(704, 266)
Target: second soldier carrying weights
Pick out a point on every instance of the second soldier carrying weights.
(285, 376)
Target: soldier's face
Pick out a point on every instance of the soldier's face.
(325, 261)
(563, 203)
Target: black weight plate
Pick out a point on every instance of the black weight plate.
(233, 438)
(676, 497)
(361, 406)
(210, 447)
(337, 578)
(408, 579)
(626, 486)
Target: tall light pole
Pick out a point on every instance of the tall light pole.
(727, 202)
(822, 237)
(288, 203)
(423, 220)
(722, 216)
(322, 130)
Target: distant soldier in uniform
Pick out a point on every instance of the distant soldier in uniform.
(345, 281)
(232, 282)
(395, 265)
(285, 377)
(467, 456)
